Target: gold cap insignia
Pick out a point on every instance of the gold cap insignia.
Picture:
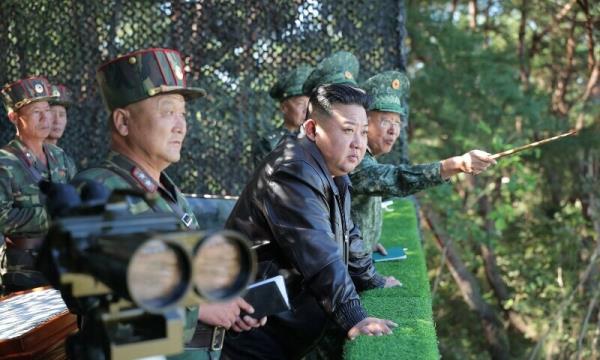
(39, 88)
(132, 60)
(347, 74)
(396, 84)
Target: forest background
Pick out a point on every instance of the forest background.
(520, 243)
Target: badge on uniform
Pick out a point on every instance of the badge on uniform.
(144, 179)
(187, 219)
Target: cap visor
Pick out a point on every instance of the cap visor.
(187, 93)
(41, 98)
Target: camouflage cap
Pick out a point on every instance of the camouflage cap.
(387, 90)
(142, 74)
(290, 84)
(26, 91)
(64, 96)
(339, 68)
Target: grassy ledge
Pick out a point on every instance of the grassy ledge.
(410, 305)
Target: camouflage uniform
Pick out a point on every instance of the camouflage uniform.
(371, 181)
(22, 212)
(118, 172)
(23, 218)
(128, 79)
(288, 85)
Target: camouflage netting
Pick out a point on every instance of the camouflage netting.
(233, 49)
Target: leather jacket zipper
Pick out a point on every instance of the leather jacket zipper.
(344, 232)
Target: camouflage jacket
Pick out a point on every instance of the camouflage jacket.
(268, 143)
(22, 211)
(371, 181)
(118, 172)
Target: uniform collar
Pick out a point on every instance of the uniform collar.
(29, 156)
(141, 177)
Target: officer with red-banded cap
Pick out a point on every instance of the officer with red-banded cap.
(63, 100)
(146, 93)
(58, 106)
(24, 162)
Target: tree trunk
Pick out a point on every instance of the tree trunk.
(538, 36)
(473, 14)
(495, 335)
(589, 29)
(453, 9)
(523, 61)
(486, 23)
(559, 104)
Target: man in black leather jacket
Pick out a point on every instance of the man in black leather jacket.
(299, 201)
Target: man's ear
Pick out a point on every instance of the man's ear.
(120, 121)
(310, 129)
(13, 116)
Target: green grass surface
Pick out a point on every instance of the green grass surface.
(409, 306)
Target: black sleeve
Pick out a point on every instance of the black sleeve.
(360, 264)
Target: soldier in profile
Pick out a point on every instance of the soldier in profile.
(371, 180)
(24, 162)
(146, 93)
(292, 103)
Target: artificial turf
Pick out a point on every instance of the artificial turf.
(410, 305)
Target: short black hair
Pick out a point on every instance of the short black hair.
(323, 97)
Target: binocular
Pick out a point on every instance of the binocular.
(132, 278)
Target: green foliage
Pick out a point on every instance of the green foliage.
(467, 93)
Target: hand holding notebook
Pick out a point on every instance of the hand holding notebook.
(267, 297)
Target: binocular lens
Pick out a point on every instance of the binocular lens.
(222, 265)
(157, 274)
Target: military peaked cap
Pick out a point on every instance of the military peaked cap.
(290, 84)
(339, 68)
(387, 90)
(26, 91)
(142, 74)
